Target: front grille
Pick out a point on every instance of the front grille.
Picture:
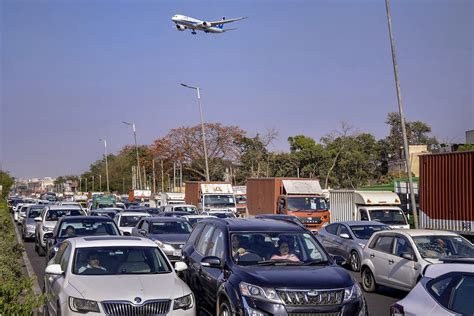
(311, 220)
(177, 246)
(316, 314)
(311, 297)
(125, 308)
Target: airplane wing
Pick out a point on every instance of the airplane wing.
(224, 21)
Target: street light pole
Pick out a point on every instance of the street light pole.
(202, 127)
(402, 116)
(93, 189)
(136, 149)
(106, 164)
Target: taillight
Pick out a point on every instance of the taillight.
(396, 310)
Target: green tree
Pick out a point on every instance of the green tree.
(6, 181)
(466, 147)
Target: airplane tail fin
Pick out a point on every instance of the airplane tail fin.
(221, 26)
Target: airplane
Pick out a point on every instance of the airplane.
(185, 22)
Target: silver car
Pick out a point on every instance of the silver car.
(348, 239)
(445, 289)
(397, 258)
(28, 227)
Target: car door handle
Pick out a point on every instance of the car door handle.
(390, 261)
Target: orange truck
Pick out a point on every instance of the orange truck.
(299, 197)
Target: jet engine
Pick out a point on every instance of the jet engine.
(180, 27)
(206, 24)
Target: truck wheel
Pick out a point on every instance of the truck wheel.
(355, 261)
(368, 281)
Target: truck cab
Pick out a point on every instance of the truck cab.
(379, 206)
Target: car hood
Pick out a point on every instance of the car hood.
(303, 277)
(128, 287)
(126, 229)
(50, 224)
(170, 238)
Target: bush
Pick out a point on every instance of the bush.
(16, 290)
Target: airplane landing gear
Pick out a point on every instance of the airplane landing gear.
(193, 32)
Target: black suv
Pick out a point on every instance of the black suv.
(266, 267)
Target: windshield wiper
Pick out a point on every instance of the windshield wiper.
(278, 262)
(316, 262)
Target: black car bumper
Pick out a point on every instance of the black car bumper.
(262, 308)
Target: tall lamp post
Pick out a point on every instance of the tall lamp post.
(93, 189)
(136, 149)
(402, 116)
(202, 127)
(106, 164)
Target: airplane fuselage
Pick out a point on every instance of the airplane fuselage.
(185, 22)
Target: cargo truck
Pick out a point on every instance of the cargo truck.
(139, 195)
(240, 193)
(291, 196)
(379, 206)
(446, 188)
(172, 198)
(210, 196)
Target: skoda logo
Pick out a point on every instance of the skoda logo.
(313, 293)
(137, 300)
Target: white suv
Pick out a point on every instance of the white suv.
(47, 220)
(115, 275)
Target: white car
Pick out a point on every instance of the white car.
(191, 209)
(445, 289)
(397, 258)
(47, 220)
(127, 220)
(121, 275)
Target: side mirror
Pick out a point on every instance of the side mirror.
(54, 269)
(180, 266)
(406, 255)
(48, 235)
(345, 236)
(211, 261)
(142, 232)
(37, 219)
(339, 260)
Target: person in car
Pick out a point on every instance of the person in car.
(93, 265)
(237, 250)
(70, 232)
(285, 254)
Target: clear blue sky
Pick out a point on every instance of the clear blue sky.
(71, 71)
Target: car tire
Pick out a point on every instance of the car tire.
(354, 261)
(225, 309)
(41, 251)
(368, 281)
(36, 245)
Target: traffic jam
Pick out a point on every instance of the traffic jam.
(276, 246)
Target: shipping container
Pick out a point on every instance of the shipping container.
(446, 192)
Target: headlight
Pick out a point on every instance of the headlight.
(258, 292)
(83, 306)
(164, 247)
(352, 293)
(47, 229)
(184, 302)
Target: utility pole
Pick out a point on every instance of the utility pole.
(93, 178)
(136, 149)
(174, 176)
(100, 182)
(106, 165)
(162, 177)
(154, 186)
(123, 185)
(402, 116)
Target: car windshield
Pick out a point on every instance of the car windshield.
(307, 203)
(365, 231)
(87, 228)
(170, 228)
(241, 199)
(223, 200)
(276, 248)
(189, 209)
(34, 212)
(129, 220)
(389, 217)
(54, 215)
(435, 247)
(119, 260)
